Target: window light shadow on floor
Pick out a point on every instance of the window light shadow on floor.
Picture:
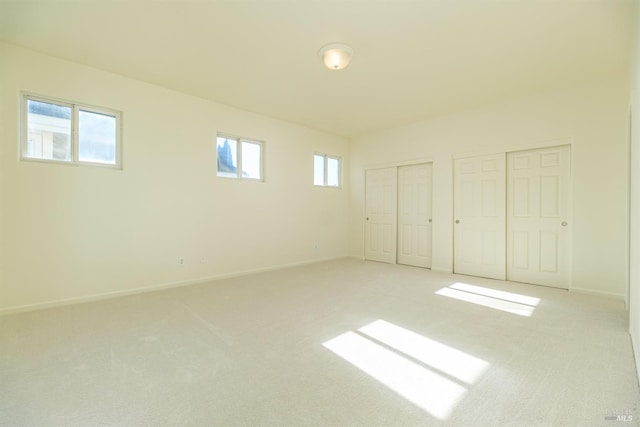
(521, 305)
(429, 374)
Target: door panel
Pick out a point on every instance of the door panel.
(414, 214)
(479, 209)
(380, 212)
(424, 242)
(538, 231)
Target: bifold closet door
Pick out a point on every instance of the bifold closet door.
(414, 215)
(538, 229)
(381, 187)
(479, 215)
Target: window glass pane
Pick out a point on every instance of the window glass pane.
(96, 137)
(318, 170)
(333, 172)
(49, 131)
(227, 157)
(251, 159)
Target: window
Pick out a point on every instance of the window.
(326, 170)
(240, 158)
(66, 132)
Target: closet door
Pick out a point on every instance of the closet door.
(538, 229)
(414, 215)
(380, 214)
(479, 213)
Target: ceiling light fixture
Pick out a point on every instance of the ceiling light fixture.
(336, 56)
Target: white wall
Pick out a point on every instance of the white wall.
(634, 259)
(592, 118)
(73, 232)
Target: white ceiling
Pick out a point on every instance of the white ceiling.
(413, 59)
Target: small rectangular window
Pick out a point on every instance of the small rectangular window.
(326, 170)
(333, 172)
(67, 132)
(318, 169)
(240, 158)
(97, 137)
(251, 160)
(48, 131)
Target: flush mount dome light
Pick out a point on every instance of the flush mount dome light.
(336, 56)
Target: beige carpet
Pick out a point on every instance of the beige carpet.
(341, 343)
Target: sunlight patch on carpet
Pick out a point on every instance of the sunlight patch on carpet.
(441, 357)
(521, 305)
(431, 375)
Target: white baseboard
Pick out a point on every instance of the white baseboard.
(434, 269)
(442, 270)
(161, 286)
(598, 293)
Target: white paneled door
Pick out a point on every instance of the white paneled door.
(479, 215)
(538, 228)
(414, 215)
(380, 211)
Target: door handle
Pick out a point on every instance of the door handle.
(429, 219)
(564, 223)
(367, 218)
(457, 221)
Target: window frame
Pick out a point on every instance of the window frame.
(239, 144)
(74, 137)
(325, 177)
